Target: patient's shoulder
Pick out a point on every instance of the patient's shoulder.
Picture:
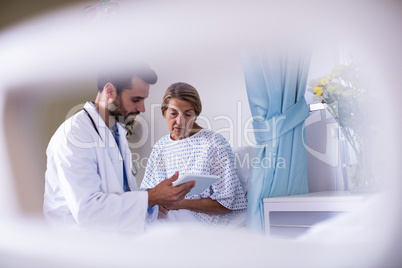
(162, 142)
(215, 140)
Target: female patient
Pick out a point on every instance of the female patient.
(191, 149)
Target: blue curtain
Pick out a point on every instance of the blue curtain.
(276, 84)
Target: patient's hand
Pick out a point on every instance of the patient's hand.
(166, 195)
(163, 212)
(204, 205)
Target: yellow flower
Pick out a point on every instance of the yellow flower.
(318, 90)
(323, 82)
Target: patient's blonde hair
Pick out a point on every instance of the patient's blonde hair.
(185, 92)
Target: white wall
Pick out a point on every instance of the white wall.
(322, 141)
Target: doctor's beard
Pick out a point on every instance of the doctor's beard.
(120, 114)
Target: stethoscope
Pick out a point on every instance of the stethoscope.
(93, 123)
(134, 170)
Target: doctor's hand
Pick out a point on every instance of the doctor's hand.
(165, 194)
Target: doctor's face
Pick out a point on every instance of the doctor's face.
(180, 117)
(130, 102)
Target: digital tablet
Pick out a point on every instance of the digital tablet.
(202, 182)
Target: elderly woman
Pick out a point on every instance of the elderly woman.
(191, 149)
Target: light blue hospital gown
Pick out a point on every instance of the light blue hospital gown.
(203, 153)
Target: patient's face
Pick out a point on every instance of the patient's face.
(180, 117)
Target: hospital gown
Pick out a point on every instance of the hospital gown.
(203, 153)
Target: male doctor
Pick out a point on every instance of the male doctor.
(89, 180)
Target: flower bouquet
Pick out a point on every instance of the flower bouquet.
(130, 129)
(343, 95)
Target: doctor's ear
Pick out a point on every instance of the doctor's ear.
(110, 90)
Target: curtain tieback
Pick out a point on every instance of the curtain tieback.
(276, 126)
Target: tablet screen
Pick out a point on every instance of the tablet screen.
(202, 182)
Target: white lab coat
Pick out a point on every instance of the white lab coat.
(84, 178)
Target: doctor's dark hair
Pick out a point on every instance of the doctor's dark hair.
(121, 78)
(185, 92)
